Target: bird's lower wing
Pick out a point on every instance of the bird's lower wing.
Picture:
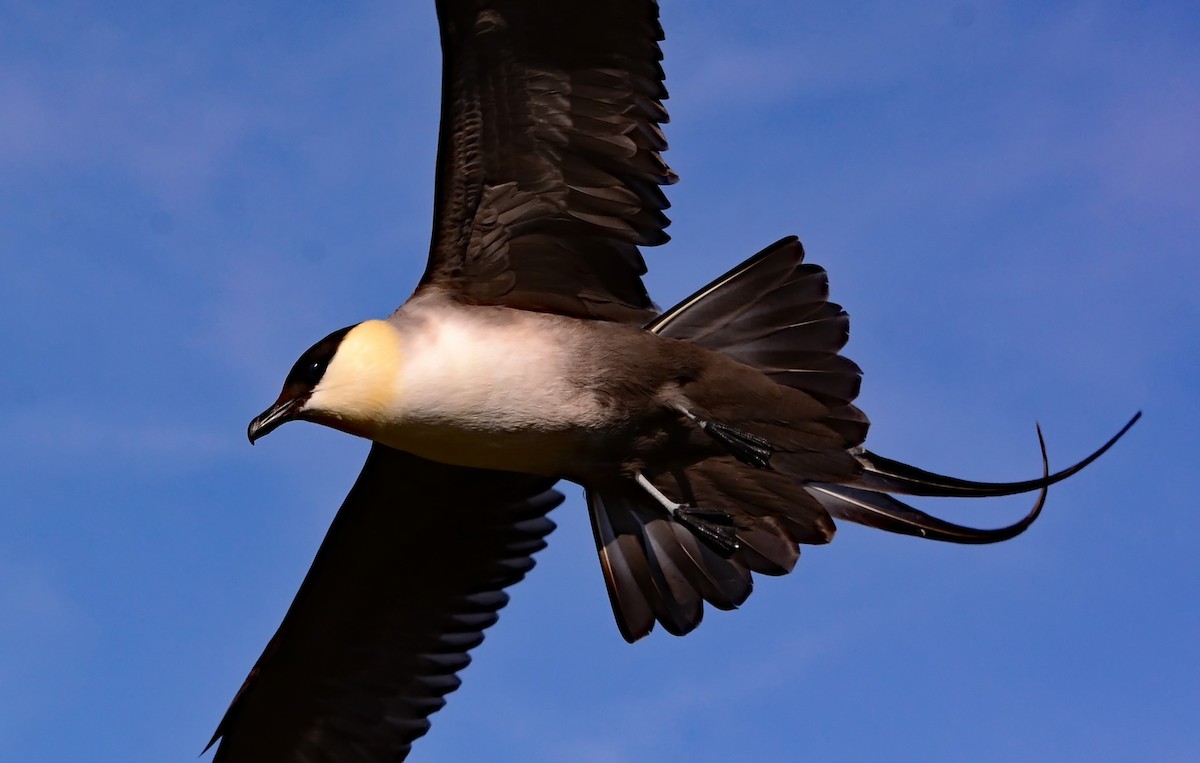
(409, 575)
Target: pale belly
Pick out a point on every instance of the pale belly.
(497, 391)
(551, 453)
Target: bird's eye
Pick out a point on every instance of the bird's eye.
(314, 371)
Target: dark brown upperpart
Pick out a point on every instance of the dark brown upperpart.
(409, 575)
(549, 161)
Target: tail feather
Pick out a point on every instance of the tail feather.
(801, 462)
(885, 475)
(778, 348)
(803, 292)
(655, 569)
(831, 379)
(750, 496)
(882, 511)
(772, 313)
(776, 279)
(723, 583)
(617, 531)
(767, 548)
(681, 604)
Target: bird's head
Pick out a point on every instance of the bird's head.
(345, 381)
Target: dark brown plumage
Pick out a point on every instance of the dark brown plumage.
(548, 159)
(716, 437)
(410, 574)
(779, 379)
(547, 180)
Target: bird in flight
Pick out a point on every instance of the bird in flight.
(711, 439)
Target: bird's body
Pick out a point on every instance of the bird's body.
(593, 402)
(712, 440)
(450, 387)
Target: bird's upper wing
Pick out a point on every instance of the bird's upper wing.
(549, 163)
(410, 574)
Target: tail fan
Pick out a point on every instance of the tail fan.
(773, 313)
(786, 472)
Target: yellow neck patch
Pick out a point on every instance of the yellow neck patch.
(359, 386)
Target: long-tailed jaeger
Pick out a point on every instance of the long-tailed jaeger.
(712, 439)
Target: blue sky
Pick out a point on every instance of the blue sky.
(1006, 196)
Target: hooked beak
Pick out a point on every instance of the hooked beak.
(266, 422)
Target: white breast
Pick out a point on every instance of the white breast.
(492, 388)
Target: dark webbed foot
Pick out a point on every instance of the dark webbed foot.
(745, 447)
(714, 529)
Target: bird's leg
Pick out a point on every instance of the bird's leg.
(713, 528)
(745, 447)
